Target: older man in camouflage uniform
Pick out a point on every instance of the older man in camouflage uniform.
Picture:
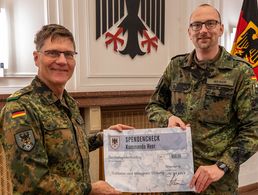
(42, 129)
(212, 91)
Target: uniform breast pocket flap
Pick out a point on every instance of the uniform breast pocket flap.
(220, 91)
(181, 87)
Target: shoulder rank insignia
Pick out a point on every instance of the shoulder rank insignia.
(25, 140)
(180, 55)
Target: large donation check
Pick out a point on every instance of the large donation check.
(149, 160)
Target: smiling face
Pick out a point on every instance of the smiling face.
(205, 39)
(55, 71)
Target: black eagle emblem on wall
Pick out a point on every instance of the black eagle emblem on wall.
(134, 17)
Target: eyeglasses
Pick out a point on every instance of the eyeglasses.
(209, 24)
(69, 55)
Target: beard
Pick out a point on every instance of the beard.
(203, 42)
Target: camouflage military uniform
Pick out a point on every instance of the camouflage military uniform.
(45, 142)
(218, 99)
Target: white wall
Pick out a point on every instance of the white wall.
(98, 68)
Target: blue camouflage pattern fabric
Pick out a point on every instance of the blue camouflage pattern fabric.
(218, 99)
(45, 142)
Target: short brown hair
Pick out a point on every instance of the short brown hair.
(54, 31)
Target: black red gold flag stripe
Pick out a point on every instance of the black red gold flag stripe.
(18, 113)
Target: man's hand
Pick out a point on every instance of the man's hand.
(175, 121)
(204, 176)
(103, 188)
(120, 127)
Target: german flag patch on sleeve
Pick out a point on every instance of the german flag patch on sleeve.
(18, 113)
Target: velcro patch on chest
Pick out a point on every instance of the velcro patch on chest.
(220, 82)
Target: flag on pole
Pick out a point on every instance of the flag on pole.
(246, 38)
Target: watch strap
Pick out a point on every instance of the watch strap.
(222, 166)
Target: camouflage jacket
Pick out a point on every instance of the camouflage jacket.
(45, 142)
(218, 99)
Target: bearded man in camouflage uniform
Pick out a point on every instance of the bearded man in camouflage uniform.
(212, 91)
(41, 127)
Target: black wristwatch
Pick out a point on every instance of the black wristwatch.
(222, 166)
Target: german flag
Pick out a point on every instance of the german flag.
(18, 113)
(246, 39)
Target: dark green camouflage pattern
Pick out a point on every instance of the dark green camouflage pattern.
(58, 163)
(219, 100)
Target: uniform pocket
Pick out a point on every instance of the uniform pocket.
(181, 87)
(217, 104)
(179, 93)
(59, 138)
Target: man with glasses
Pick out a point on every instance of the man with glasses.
(41, 127)
(219, 103)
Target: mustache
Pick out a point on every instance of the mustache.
(203, 35)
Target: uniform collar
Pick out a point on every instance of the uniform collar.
(47, 95)
(222, 61)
